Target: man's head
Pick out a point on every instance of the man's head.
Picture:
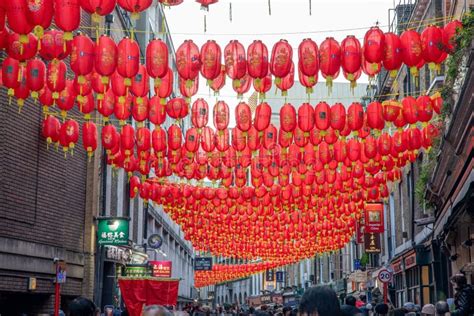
(428, 309)
(381, 309)
(319, 300)
(442, 308)
(459, 280)
(363, 298)
(82, 306)
(350, 300)
(156, 310)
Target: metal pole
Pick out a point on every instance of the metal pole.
(57, 289)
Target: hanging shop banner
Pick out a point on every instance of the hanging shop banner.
(270, 276)
(202, 264)
(372, 243)
(280, 275)
(360, 229)
(161, 269)
(374, 218)
(113, 231)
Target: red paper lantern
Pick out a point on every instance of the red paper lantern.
(174, 137)
(50, 129)
(17, 17)
(67, 16)
(370, 69)
(89, 137)
(177, 108)
(222, 141)
(210, 60)
(165, 87)
(263, 114)
(188, 60)
(109, 137)
(140, 109)
(355, 116)
(157, 111)
(243, 116)
(10, 73)
(374, 45)
(257, 60)
(288, 117)
(329, 59)
(105, 106)
(221, 115)
(238, 139)
(411, 49)
(82, 56)
(424, 109)
(437, 102)
(127, 139)
(98, 7)
(128, 59)
(431, 43)
(262, 86)
(393, 53)
(242, 85)
(308, 58)
(375, 118)
(308, 82)
(200, 113)
(234, 58)
(449, 35)
(66, 98)
(285, 83)
(22, 92)
(40, 14)
(106, 57)
(207, 139)
(159, 140)
(391, 110)
(118, 85)
(338, 117)
(170, 2)
(54, 46)
(122, 108)
(270, 137)
(157, 58)
(322, 116)
(281, 61)
(86, 104)
(192, 140)
(219, 82)
(350, 56)
(410, 110)
(134, 6)
(140, 83)
(19, 50)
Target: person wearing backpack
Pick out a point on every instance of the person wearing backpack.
(463, 297)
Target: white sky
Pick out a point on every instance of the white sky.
(289, 20)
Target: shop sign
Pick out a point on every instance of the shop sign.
(61, 272)
(280, 276)
(161, 269)
(358, 276)
(270, 276)
(360, 229)
(113, 231)
(374, 218)
(203, 264)
(397, 266)
(118, 254)
(265, 299)
(137, 271)
(372, 243)
(410, 261)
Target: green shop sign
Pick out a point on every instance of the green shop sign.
(113, 231)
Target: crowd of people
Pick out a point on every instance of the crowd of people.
(316, 301)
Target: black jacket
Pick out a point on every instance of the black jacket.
(464, 301)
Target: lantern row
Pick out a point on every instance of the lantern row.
(93, 63)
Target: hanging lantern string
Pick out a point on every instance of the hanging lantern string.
(422, 23)
(269, 7)
(310, 7)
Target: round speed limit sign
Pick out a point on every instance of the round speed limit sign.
(385, 276)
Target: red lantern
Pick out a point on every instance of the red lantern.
(411, 49)
(127, 140)
(306, 117)
(263, 114)
(308, 59)
(54, 46)
(391, 110)
(51, 128)
(122, 108)
(177, 108)
(355, 116)
(308, 82)
(431, 43)
(370, 69)
(157, 111)
(350, 56)
(375, 118)
(238, 139)
(110, 138)
(118, 85)
(393, 53)
(210, 60)
(409, 110)
(221, 115)
(270, 137)
(415, 138)
(449, 35)
(170, 2)
(200, 113)
(159, 140)
(192, 140)
(329, 59)
(322, 116)
(86, 104)
(106, 57)
(207, 139)
(19, 50)
(17, 17)
(10, 73)
(219, 82)
(437, 102)
(140, 83)
(285, 83)
(205, 3)
(234, 57)
(134, 6)
(242, 86)
(288, 117)
(98, 8)
(243, 116)
(424, 109)
(82, 56)
(257, 60)
(40, 14)
(374, 45)
(338, 117)
(140, 109)
(253, 139)
(67, 16)
(262, 86)
(174, 137)
(222, 141)
(188, 61)
(69, 135)
(128, 59)
(89, 137)
(165, 87)
(105, 106)
(22, 92)
(157, 58)
(281, 62)
(66, 98)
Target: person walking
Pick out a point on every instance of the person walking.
(319, 301)
(428, 309)
(82, 306)
(463, 297)
(349, 308)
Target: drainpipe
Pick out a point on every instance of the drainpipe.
(412, 203)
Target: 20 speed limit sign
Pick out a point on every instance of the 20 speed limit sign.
(385, 276)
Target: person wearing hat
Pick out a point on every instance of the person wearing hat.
(409, 307)
(428, 309)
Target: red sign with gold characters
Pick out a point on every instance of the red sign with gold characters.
(360, 230)
(374, 218)
(161, 269)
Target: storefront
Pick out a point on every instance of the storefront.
(413, 279)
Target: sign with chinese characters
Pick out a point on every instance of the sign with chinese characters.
(372, 243)
(202, 264)
(161, 269)
(360, 229)
(270, 276)
(374, 218)
(113, 231)
(142, 270)
(280, 276)
(118, 254)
